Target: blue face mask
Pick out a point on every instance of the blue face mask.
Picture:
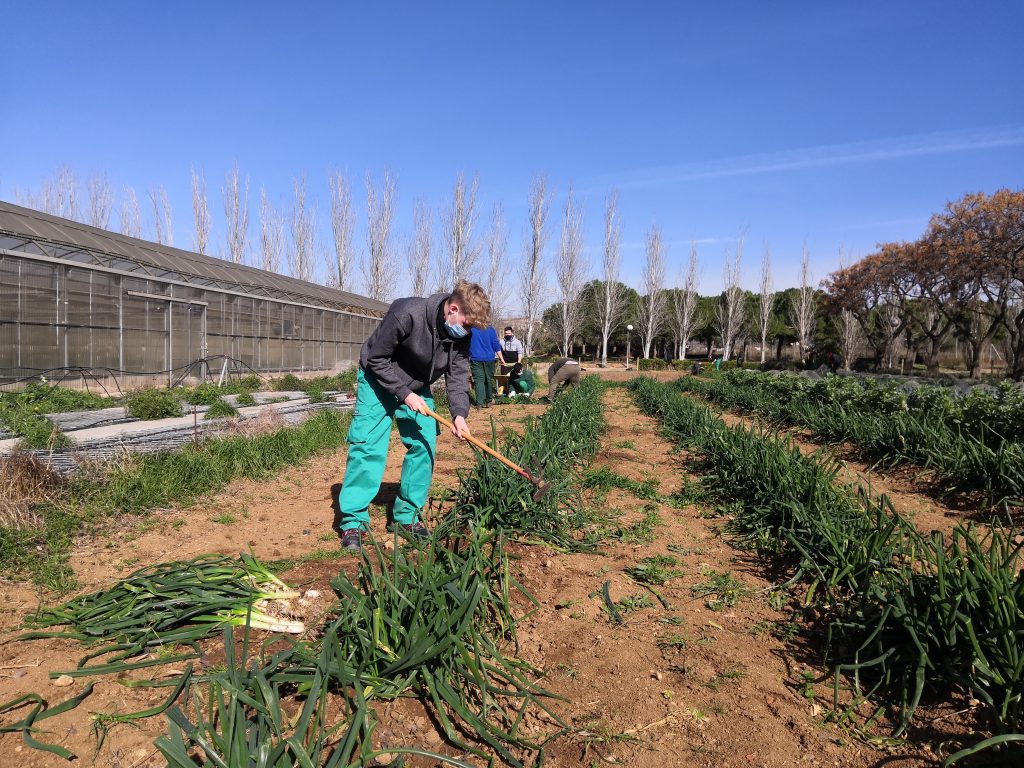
(455, 331)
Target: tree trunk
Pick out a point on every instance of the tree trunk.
(934, 348)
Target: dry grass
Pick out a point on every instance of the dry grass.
(269, 420)
(25, 481)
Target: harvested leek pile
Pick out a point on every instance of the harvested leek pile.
(177, 602)
(429, 622)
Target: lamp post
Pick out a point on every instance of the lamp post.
(629, 336)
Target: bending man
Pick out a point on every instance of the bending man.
(418, 341)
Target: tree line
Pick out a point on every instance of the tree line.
(961, 281)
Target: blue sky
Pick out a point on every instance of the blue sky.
(838, 124)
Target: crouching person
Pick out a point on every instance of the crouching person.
(418, 341)
(520, 382)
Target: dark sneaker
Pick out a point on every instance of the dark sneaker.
(352, 539)
(416, 530)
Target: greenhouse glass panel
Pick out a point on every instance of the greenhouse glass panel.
(275, 354)
(77, 294)
(106, 293)
(8, 289)
(8, 347)
(79, 346)
(106, 351)
(244, 317)
(39, 348)
(135, 351)
(38, 293)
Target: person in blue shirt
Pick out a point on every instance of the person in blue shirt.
(483, 348)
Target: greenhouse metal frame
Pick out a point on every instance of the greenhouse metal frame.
(76, 299)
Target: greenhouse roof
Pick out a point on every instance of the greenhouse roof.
(33, 233)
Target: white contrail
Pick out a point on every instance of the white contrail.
(820, 156)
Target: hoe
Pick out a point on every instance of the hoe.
(542, 487)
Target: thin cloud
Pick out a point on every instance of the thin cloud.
(823, 156)
(635, 245)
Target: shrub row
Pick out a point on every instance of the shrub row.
(972, 443)
(906, 613)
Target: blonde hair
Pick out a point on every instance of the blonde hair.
(473, 302)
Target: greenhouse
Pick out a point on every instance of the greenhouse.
(76, 300)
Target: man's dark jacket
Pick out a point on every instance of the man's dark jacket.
(411, 349)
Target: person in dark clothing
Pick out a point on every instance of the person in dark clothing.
(520, 382)
(483, 347)
(418, 341)
(564, 371)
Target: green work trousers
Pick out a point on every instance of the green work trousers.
(368, 438)
(483, 382)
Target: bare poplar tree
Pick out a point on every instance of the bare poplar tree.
(101, 201)
(685, 306)
(200, 212)
(608, 295)
(766, 299)
(302, 249)
(378, 271)
(730, 315)
(131, 216)
(271, 235)
(570, 270)
(57, 196)
(652, 304)
(342, 222)
(531, 275)
(849, 338)
(803, 312)
(457, 227)
(63, 194)
(420, 249)
(163, 231)
(236, 213)
(497, 247)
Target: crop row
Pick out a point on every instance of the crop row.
(906, 614)
(967, 450)
(566, 436)
(433, 621)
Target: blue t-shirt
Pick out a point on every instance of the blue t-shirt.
(484, 345)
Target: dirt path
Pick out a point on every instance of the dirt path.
(683, 686)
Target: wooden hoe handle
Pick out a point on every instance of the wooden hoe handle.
(487, 449)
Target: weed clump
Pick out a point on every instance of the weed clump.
(149, 404)
(245, 399)
(221, 409)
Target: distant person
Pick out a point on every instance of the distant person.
(483, 349)
(833, 363)
(521, 382)
(418, 341)
(512, 350)
(563, 372)
(718, 363)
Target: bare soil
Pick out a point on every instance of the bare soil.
(683, 685)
